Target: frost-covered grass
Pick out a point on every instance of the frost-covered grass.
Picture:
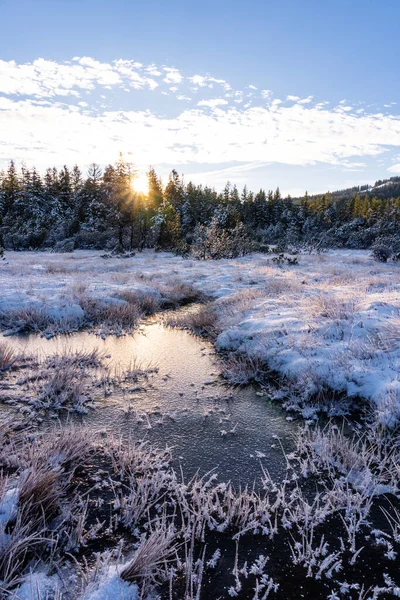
(202, 321)
(7, 357)
(72, 381)
(92, 517)
(88, 517)
(84, 290)
(330, 323)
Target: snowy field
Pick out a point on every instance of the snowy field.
(332, 322)
(85, 515)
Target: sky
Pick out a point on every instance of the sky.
(300, 94)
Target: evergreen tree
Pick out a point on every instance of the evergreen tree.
(174, 192)
(120, 196)
(155, 194)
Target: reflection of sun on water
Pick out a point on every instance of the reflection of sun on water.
(141, 184)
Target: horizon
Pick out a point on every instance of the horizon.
(140, 179)
(273, 97)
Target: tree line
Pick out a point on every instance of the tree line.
(64, 209)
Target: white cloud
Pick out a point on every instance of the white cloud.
(128, 70)
(43, 130)
(199, 80)
(266, 93)
(153, 70)
(208, 81)
(294, 135)
(212, 103)
(45, 78)
(306, 100)
(172, 75)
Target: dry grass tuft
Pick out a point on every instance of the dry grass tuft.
(332, 307)
(176, 294)
(241, 369)
(241, 301)
(138, 370)
(277, 286)
(122, 317)
(202, 321)
(27, 319)
(391, 331)
(64, 387)
(150, 555)
(40, 495)
(56, 269)
(64, 448)
(7, 357)
(147, 304)
(80, 359)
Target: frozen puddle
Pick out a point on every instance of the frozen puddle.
(186, 405)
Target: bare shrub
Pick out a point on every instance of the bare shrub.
(216, 242)
(381, 252)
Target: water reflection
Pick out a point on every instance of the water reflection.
(186, 405)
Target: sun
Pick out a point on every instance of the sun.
(140, 184)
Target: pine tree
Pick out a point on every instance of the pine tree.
(155, 195)
(168, 222)
(174, 192)
(120, 196)
(261, 210)
(10, 188)
(94, 208)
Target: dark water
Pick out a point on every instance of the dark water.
(186, 405)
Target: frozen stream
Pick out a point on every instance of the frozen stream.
(188, 405)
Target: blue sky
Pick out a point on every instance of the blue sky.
(296, 93)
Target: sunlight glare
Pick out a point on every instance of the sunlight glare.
(140, 184)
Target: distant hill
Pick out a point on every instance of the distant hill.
(383, 188)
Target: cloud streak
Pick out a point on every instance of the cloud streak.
(45, 78)
(43, 122)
